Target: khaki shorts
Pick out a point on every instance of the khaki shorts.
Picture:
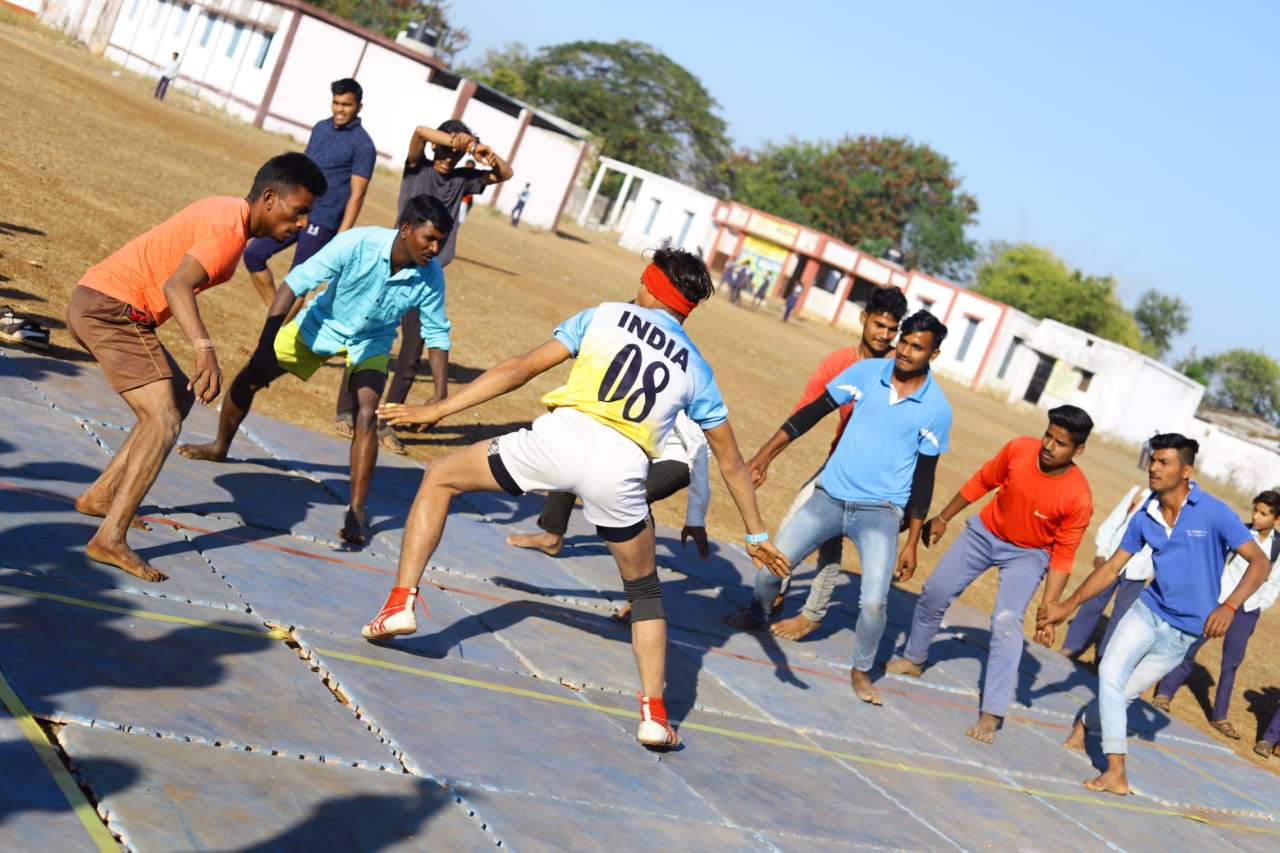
(129, 351)
(297, 358)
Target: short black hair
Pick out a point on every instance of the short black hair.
(285, 172)
(1187, 447)
(345, 85)
(426, 208)
(1074, 420)
(454, 125)
(923, 321)
(887, 300)
(1271, 498)
(687, 272)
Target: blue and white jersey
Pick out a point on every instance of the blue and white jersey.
(634, 370)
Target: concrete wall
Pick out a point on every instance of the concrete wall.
(1007, 350)
(549, 162)
(1233, 459)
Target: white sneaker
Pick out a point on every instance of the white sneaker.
(395, 618)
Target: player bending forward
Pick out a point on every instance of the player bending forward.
(634, 369)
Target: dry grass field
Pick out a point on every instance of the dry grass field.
(90, 160)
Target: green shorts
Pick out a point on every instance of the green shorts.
(297, 358)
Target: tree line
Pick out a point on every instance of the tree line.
(877, 193)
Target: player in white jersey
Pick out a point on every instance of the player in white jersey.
(634, 370)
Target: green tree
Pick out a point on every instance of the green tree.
(870, 192)
(644, 108)
(1033, 279)
(1160, 319)
(1242, 380)
(389, 17)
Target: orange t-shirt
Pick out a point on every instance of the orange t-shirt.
(1032, 510)
(213, 231)
(830, 367)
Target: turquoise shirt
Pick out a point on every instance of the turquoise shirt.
(875, 459)
(360, 310)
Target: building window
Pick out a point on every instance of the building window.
(1086, 377)
(235, 39)
(208, 30)
(926, 305)
(133, 10)
(155, 19)
(829, 279)
(182, 20)
(971, 327)
(1008, 357)
(653, 215)
(262, 51)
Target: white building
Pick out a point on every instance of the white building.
(1128, 395)
(270, 62)
(652, 210)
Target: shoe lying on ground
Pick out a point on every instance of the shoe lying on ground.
(390, 441)
(395, 618)
(1162, 702)
(15, 330)
(1265, 748)
(654, 729)
(343, 427)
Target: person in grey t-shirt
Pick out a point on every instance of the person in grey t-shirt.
(438, 176)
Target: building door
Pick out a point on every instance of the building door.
(1038, 379)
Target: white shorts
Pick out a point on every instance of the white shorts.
(568, 451)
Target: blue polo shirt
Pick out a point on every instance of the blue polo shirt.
(1188, 559)
(875, 458)
(360, 310)
(340, 153)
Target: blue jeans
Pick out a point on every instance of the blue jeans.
(830, 555)
(975, 550)
(873, 527)
(1143, 649)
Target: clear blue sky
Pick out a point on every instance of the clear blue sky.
(1137, 140)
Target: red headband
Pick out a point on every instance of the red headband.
(656, 282)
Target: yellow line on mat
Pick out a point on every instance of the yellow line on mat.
(794, 745)
(83, 810)
(271, 633)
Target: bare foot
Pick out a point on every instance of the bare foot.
(352, 527)
(1075, 740)
(123, 557)
(985, 729)
(86, 505)
(547, 543)
(1109, 783)
(795, 628)
(902, 666)
(210, 452)
(863, 687)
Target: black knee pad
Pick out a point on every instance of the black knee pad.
(645, 597)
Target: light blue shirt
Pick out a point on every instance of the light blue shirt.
(360, 310)
(1188, 557)
(875, 459)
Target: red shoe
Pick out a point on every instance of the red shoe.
(654, 729)
(395, 618)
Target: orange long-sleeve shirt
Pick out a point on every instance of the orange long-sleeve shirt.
(1032, 510)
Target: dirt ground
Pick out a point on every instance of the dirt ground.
(90, 160)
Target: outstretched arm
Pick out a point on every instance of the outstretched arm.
(1052, 613)
(936, 526)
(738, 481)
(1259, 567)
(800, 422)
(506, 375)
